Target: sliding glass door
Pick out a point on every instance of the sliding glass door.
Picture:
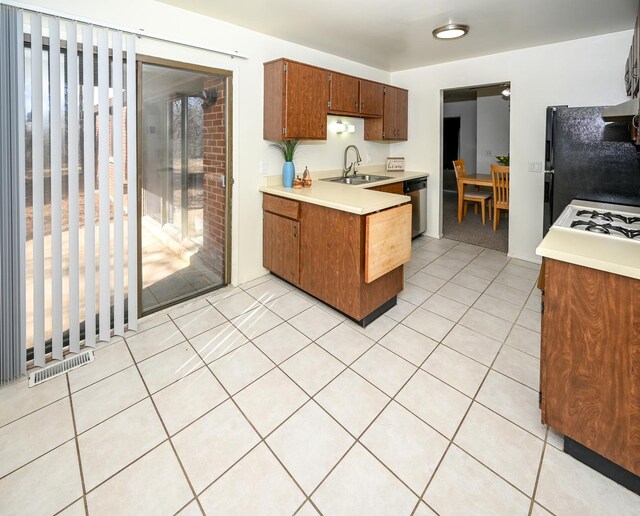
(184, 163)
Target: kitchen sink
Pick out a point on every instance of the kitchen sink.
(356, 180)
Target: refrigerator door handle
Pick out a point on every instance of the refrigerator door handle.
(549, 161)
(548, 147)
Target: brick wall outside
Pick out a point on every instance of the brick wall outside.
(214, 167)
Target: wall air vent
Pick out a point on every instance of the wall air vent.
(49, 372)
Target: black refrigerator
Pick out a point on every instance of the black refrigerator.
(588, 158)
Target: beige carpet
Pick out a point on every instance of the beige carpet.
(471, 230)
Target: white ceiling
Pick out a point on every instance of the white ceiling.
(397, 35)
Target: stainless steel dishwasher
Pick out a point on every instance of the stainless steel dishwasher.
(417, 190)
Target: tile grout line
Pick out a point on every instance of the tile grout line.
(33, 411)
(357, 438)
(538, 473)
(77, 443)
(262, 439)
(473, 400)
(165, 428)
(312, 341)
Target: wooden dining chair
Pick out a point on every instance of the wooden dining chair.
(479, 198)
(500, 180)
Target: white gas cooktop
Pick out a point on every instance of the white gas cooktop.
(601, 219)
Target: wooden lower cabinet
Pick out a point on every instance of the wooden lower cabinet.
(395, 188)
(590, 360)
(282, 246)
(330, 250)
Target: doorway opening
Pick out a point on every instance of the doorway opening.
(475, 130)
(184, 202)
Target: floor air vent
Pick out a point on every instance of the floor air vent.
(59, 368)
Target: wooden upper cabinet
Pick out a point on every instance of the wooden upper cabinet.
(394, 122)
(371, 98)
(295, 101)
(402, 116)
(390, 116)
(344, 94)
(298, 97)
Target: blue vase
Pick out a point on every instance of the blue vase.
(288, 173)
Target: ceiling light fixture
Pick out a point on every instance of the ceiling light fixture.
(451, 31)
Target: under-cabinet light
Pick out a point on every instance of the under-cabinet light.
(340, 127)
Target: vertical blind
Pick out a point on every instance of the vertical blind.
(12, 280)
(81, 161)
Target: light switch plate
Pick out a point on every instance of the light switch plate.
(264, 167)
(535, 166)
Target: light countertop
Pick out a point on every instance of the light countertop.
(609, 254)
(350, 198)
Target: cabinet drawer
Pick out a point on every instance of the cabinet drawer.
(387, 242)
(281, 206)
(395, 188)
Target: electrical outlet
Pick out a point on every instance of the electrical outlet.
(535, 166)
(369, 158)
(264, 167)
(488, 153)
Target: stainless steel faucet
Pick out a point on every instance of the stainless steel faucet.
(345, 169)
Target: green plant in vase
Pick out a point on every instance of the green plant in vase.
(503, 160)
(288, 150)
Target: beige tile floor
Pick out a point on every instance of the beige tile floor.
(260, 400)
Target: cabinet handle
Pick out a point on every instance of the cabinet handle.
(355, 104)
(362, 107)
(295, 231)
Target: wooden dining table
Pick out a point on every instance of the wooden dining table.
(472, 179)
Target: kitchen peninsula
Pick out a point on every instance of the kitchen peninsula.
(343, 244)
(590, 354)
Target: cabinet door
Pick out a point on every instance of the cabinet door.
(590, 360)
(344, 93)
(390, 123)
(307, 95)
(281, 249)
(371, 98)
(402, 115)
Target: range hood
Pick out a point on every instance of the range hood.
(622, 112)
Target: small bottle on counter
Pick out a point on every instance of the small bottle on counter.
(297, 182)
(306, 178)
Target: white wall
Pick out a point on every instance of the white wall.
(467, 111)
(493, 130)
(249, 149)
(579, 73)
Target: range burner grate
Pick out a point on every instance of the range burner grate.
(606, 229)
(607, 216)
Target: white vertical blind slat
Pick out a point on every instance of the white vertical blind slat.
(73, 181)
(22, 194)
(118, 219)
(89, 171)
(38, 190)
(103, 187)
(56, 186)
(132, 190)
